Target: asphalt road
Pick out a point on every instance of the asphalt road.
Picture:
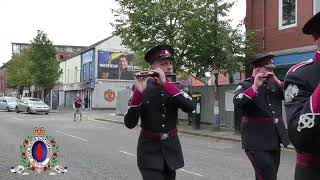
(101, 150)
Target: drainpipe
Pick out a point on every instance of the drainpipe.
(264, 25)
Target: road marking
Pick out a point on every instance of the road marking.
(190, 172)
(71, 135)
(220, 147)
(17, 118)
(127, 153)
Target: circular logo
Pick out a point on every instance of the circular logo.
(109, 95)
(39, 151)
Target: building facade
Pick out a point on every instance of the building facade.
(4, 90)
(105, 68)
(69, 82)
(63, 51)
(278, 25)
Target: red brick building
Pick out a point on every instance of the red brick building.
(278, 25)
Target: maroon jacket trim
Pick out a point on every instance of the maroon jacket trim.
(155, 135)
(259, 120)
(136, 98)
(315, 100)
(170, 88)
(250, 92)
(308, 160)
(317, 56)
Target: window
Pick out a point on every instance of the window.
(75, 73)
(86, 72)
(316, 6)
(68, 80)
(287, 13)
(15, 49)
(61, 49)
(69, 49)
(91, 70)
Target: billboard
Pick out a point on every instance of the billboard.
(116, 65)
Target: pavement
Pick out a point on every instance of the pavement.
(206, 130)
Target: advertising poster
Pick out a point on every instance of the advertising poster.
(116, 65)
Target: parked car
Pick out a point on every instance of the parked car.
(31, 105)
(8, 103)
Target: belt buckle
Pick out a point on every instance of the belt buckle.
(164, 136)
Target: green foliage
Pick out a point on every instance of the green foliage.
(18, 72)
(138, 60)
(199, 31)
(44, 66)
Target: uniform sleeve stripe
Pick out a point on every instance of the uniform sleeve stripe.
(297, 66)
(177, 94)
(247, 96)
(132, 106)
(315, 100)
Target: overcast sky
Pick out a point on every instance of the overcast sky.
(67, 22)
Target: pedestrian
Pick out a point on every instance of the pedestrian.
(262, 128)
(46, 99)
(86, 101)
(77, 105)
(302, 103)
(156, 101)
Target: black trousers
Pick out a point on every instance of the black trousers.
(155, 174)
(303, 173)
(265, 163)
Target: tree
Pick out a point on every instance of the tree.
(44, 66)
(199, 31)
(138, 60)
(18, 72)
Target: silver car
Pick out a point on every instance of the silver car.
(8, 103)
(31, 105)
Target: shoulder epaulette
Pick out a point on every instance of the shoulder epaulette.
(297, 66)
(245, 81)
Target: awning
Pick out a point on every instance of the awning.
(291, 59)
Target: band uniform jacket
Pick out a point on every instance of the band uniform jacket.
(302, 102)
(157, 109)
(262, 126)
